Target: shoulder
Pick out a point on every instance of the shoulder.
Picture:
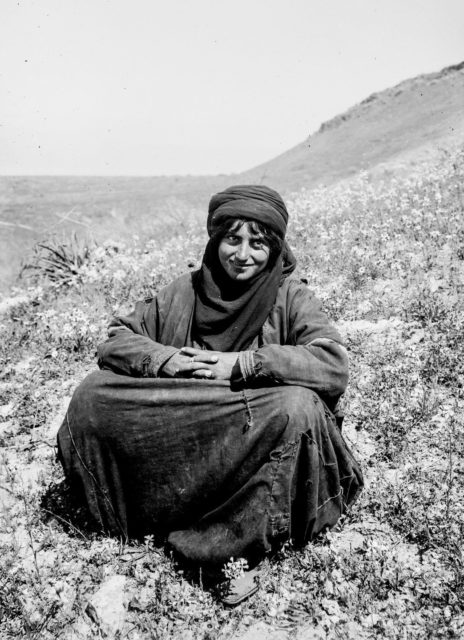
(178, 288)
(295, 304)
(305, 313)
(300, 304)
(181, 285)
(294, 291)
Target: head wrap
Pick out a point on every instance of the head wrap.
(251, 203)
(229, 314)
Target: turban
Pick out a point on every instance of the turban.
(251, 202)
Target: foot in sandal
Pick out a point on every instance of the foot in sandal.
(241, 588)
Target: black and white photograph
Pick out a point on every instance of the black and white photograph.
(232, 320)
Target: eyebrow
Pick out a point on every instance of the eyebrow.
(253, 234)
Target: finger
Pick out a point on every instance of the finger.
(204, 357)
(190, 366)
(198, 366)
(190, 351)
(199, 354)
(203, 373)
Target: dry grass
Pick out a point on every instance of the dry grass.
(387, 259)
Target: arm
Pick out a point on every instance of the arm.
(311, 353)
(132, 347)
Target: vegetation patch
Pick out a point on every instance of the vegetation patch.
(386, 257)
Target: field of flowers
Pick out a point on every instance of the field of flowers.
(386, 256)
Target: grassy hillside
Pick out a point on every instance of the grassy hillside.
(413, 118)
(410, 121)
(387, 259)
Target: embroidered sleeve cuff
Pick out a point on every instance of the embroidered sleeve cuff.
(246, 361)
(245, 370)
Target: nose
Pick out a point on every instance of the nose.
(243, 251)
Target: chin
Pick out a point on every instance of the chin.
(241, 277)
(235, 276)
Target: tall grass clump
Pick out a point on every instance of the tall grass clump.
(58, 260)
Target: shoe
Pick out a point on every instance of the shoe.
(239, 589)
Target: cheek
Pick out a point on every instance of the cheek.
(263, 257)
(223, 252)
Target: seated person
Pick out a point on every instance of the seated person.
(211, 420)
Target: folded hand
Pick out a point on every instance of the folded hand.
(198, 363)
(186, 365)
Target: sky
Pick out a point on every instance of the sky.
(144, 87)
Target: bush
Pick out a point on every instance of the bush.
(59, 261)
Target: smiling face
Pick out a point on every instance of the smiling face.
(243, 254)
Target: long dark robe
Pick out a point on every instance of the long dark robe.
(221, 472)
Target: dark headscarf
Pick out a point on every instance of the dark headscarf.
(229, 314)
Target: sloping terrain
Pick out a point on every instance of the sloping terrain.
(411, 120)
(425, 112)
(415, 117)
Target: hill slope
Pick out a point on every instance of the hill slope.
(425, 112)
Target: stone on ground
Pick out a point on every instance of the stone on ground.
(107, 607)
(262, 631)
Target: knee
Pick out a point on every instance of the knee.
(297, 401)
(95, 384)
(85, 400)
(86, 390)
